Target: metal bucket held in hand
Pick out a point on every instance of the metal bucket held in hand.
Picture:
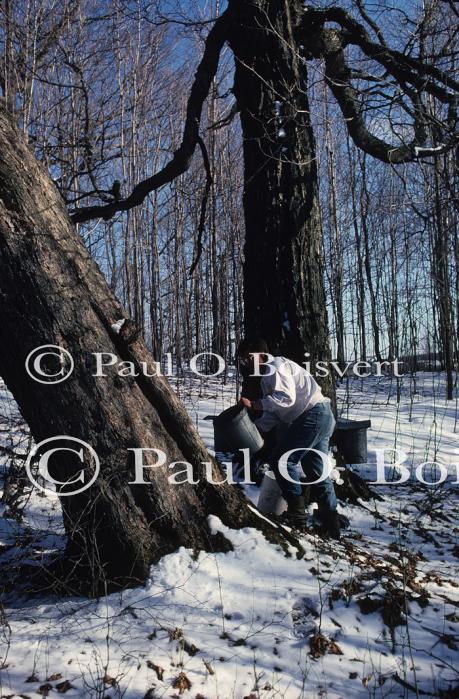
(235, 428)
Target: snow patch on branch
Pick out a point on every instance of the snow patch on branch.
(116, 327)
(420, 152)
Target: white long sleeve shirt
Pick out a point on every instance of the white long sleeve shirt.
(287, 392)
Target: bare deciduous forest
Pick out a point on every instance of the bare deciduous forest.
(103, 105)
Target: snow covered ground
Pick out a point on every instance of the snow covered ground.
(375, 615)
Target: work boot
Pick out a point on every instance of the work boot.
(317, 518)
(331, 527)
(295, 515)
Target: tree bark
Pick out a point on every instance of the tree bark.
(441, 276)
(284, 296)
(51, 292)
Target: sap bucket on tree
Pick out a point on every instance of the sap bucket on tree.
(350, 439)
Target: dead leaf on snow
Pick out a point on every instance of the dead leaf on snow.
(318, 645)
(334, 648)
(175, 634)
(157, 668)
(64, 687)
(189, 648)
(32, 678)
(182, 683)
(109, 680)
(208, 667)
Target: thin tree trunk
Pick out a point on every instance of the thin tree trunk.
(336, 247)
(364, 203)
(360, 280)
(440, 268)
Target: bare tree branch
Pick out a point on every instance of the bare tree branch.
(224, 121)
(413, 69)
(452, 6)
(202, 215)
(180, 161)
(337, 75)
(371, 23)
(12, 453)
(413, 76)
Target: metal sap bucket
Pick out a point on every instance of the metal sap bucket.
(350, 439)
(270, 500)
(234, 429)
(220, 443)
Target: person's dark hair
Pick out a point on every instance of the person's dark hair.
(252, 344)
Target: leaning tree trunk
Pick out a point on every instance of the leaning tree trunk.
(51, 292)
(283, 275)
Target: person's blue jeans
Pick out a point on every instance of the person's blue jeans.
(311, 430)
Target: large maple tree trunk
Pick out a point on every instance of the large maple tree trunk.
(52, 292)
(284, 298)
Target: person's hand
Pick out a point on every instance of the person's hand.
(245, 402)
